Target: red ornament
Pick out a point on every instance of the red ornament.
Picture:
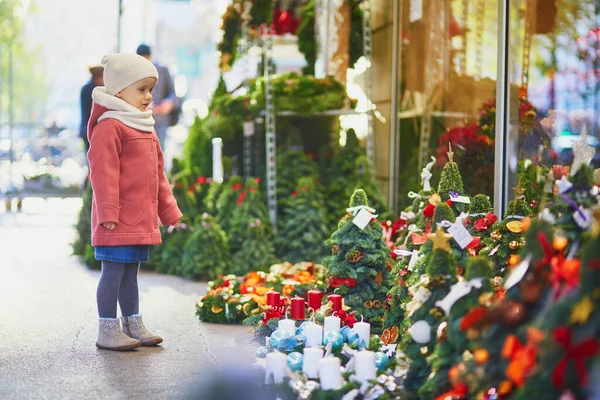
(297, 308)
(237, 186)
(428, 211)
(241, 198)
(273, 299)
(257, 180)
(201, 180)
(587, 348)
(295, 193)
(335, 282)
(314, 299)
(336, 301)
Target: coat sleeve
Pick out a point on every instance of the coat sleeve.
(168, 211)
(103, 157)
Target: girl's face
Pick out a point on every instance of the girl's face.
(139, 94)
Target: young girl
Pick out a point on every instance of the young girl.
(131, 193)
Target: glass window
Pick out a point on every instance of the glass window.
(446, 92)
(554, 75)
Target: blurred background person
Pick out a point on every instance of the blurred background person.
(163, 96)
(96, 79)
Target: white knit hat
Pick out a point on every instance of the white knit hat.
(122, 70)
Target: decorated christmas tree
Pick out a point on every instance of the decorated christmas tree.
(570, 329)
(452, 342)
(451, 185)
(365, 180)
(481, 216)
(359, 267)
(206, 252)
(227, 201)
(505, 341)
(302, 234)
(506, 238)
(248, 209)
(533, 178)
(257, 252)
(422, 313)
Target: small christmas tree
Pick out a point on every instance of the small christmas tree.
(206, 252)
(366, 181)
(303, 232)
(359, 267)
(424, 316)
(451, 184)
(570, 330)
(249, 208)
(83, 239)
(184, 190)
(506, 237)
(532, 177)
(227, 201)
(257, 252)
(481, 218)
(452, 342)
(172, 249)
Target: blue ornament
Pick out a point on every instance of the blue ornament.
(355, 340)
(344, 332)
(336, 339)
(277, 336)
(301, 328)
(262, 352)
(294, 361)
(381, 360)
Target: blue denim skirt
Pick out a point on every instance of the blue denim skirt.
(123, 254)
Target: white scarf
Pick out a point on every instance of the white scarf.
(122, 111)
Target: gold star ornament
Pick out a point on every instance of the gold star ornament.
(440, 239)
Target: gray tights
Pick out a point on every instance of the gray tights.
(118, 281)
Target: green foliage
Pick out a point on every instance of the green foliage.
(197, 150)
(256, 252)
(184, 183)
(303, 233)
(369, 268)
(214, 192)
(306, 37)
(227, 201)
(232, 30)
(249, 207)
(479, 267)
(532, 178)
(451, 181)
(83, 227)
(443, 212)
(206, 251)
(172, 251)
(480, 204)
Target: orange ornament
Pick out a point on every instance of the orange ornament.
(454, 374)
(559, 243)
(481, 356)
(526, 223)
(504, 388)
(513, 260)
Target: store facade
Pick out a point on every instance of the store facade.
(505, 81)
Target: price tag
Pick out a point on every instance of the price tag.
(249, 128)
(460, 234)
(518, 273)
(362, 219)
(461, 199)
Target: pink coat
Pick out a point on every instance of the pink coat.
(129, 183)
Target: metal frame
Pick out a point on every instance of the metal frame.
(395, 121)
(501, 171)
(368, 54)
(270, 139)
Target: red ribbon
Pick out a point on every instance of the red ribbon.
(587, 348)
(565, 274)
(347, 319)
(241, 198)
(429, 210)
(335, 282)
(459, 391)
(548, 254)
(418, 239)
(484, 223)
(237, 186)
(273, 312)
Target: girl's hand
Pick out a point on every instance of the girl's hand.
(109, 225)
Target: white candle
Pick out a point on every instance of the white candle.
(276, 367)
(363, 329)
(314, 335)
(330, 373)
(364, 365)
(217, 160)
(287, 325)
(310, 363)
(332, 324)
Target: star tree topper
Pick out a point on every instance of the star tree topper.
(583, 152)
(440, 239)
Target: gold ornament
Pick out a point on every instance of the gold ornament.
(513, 245)
(424, 350)
(377, 304)
(440, 239)
(581, 312)
(216, 309)
(515, 227)
(496, 235)
(481, 356)
(559, 243)
(368, 304)
(434, 199)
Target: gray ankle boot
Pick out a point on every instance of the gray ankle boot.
(110, 336)
(134, 327)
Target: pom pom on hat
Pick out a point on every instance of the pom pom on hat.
(122, 70)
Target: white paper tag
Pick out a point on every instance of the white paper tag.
(584, 221)
(413, 260)
(249, 128)
(461, 199)
(494, 250)
(460, 234)
(362, 219)
(457, 291)
(416, 10)
(518, 273)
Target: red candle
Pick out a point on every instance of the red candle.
(336, 301)
(298, 308)
(273, 299)
(282, 302)
(314, 299)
